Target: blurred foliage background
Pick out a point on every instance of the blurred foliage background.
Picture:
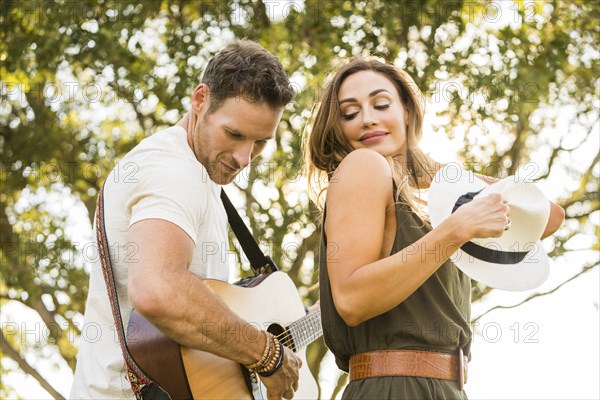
(508, 83)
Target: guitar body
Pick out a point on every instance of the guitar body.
(272, 305)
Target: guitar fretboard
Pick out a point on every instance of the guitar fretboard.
(306, 329)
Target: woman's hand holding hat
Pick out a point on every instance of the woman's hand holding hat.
(484, 217)
(502, 247)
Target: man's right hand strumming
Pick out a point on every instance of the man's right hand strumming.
(278, 368)
(284, 382)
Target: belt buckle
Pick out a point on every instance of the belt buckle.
(461, 369)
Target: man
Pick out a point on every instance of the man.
(163, 211)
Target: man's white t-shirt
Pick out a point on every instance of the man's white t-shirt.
(161, 179)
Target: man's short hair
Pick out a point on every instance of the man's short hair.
(246, 69)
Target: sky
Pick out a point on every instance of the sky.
(545, 349)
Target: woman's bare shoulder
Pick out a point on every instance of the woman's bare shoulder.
(363, 162)
(360, 172)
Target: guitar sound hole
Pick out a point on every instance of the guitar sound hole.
(283, 335)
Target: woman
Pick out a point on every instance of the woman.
(386, 280)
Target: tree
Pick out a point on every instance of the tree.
(82, 83)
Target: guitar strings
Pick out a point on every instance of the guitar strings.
(304, 327)
(306, 335)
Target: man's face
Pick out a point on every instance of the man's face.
(227, 139)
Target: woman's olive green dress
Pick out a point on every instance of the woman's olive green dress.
(434, 318)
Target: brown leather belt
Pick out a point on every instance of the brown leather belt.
(423, 364)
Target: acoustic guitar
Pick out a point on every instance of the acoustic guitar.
(273, 305)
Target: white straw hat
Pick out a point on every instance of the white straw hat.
(515, 261)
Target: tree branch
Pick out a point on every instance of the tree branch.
(308, 243)
(578, 199)
(481, 294)
(134, 105)
(533, 296)
(47, 316)
(515, 153)
(551, 160)
(260, 14)
(9, 351)
(560, 148)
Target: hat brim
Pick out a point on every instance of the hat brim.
(448, 185)
(528, 274)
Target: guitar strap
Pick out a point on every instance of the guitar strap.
(143, 387)
(259, 262)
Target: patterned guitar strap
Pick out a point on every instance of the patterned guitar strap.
(143, 386)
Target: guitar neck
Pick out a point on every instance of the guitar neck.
(305, 330)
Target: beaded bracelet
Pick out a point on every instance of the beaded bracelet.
(278, 358)
(273, 360)
(266, 353)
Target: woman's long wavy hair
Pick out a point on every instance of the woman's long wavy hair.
(326, 145)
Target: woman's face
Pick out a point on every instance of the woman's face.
(373, 115)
